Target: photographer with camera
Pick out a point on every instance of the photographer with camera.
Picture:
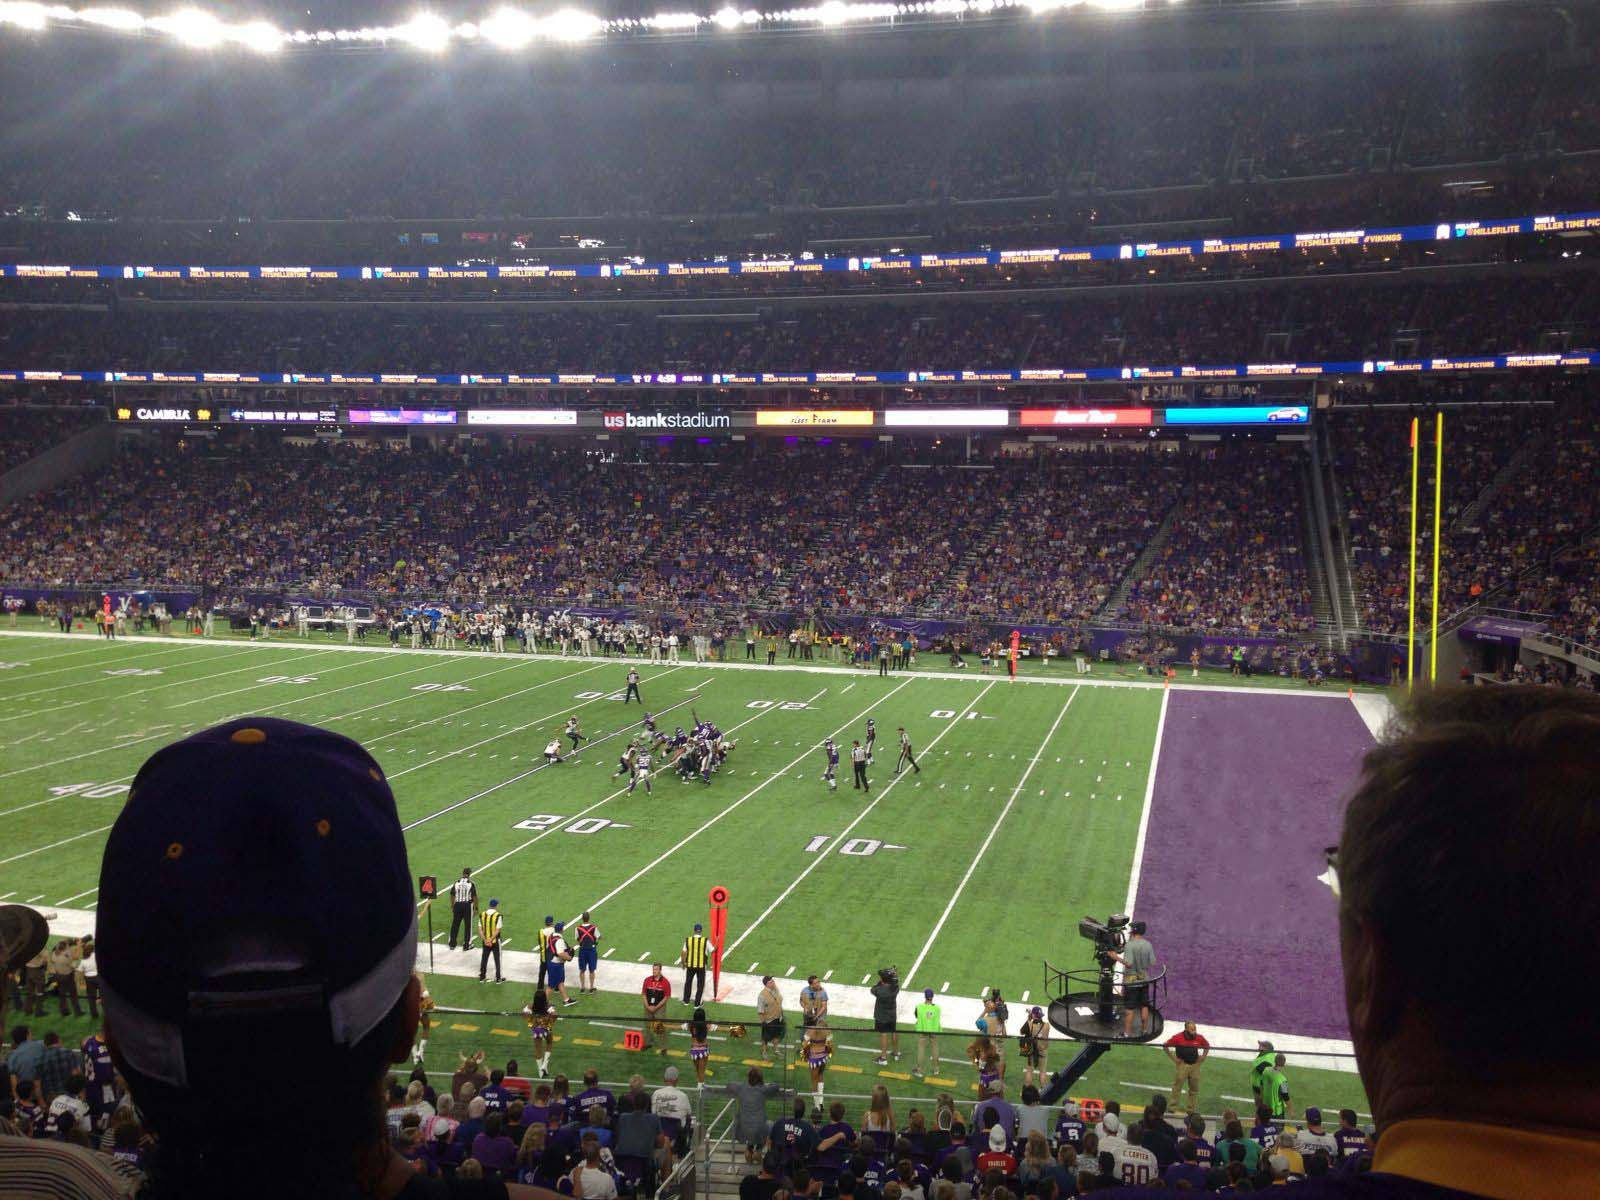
(885, 993)
(1138, 960)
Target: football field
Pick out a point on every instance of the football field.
(1039, 801)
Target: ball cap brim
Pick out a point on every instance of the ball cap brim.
(23, 933)
(257, 868)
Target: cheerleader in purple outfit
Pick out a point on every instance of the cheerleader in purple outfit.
(543, 1023)
(699, 1049)
(817, 1049)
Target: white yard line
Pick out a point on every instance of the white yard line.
(325, 720)
(503, 733)
(607, 799)
(984, 849)
(861, 816)
(279, 662)
(1144, 814)
(300, 700)
(171, 683)
(534, 770)
(780, 773)
(79, 896)
(134, 660)
(41, 849)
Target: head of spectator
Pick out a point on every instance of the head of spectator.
(1438, 789)
(258, 930)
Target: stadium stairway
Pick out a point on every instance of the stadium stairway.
(1530, 449)
(1141, 565)
(1329, 626)
(1341, 570)
(84, 451)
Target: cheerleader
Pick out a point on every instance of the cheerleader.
(424, 1020)
(542, 1022)
(818, 1049)
(699, 1049)
(991, 1071)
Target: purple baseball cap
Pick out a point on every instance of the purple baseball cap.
(257, 868)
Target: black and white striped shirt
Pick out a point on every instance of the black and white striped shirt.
(463, 891)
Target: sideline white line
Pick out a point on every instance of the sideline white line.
(780, 773)
(1144, 815)
(984, 849)
(861, 816)
(606, 800)
(818, 669)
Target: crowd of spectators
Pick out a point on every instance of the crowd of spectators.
(1070, 536)
(1320, 320)
(1232, 559)
(834, 528)
(1515, 543)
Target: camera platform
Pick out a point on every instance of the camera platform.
(1091, 1006)
(1080, 1017)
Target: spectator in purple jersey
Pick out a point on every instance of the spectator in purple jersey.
(495, 1096)
(492, 1147)
(1350, 1138)
(1069, 1127)
(1194, 1126)
(593, 1096)
(1186, 1169)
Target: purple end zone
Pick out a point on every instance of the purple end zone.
(1247, 794)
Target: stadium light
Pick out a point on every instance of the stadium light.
(425, 31)
(513, 29)
(23, 15)
(121, 19)
(192, 27)
(509, 29)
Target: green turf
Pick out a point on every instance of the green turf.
(969, 875)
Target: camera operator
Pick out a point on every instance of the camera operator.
(1138, 959)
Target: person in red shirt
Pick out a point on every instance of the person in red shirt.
(1187, 1050)
(657, 991)
(996, 1156)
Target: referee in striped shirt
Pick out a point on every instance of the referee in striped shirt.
(696, 950)
(463, 904)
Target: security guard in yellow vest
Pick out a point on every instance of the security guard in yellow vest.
(696, 953)
(545, 934)
(489, 938)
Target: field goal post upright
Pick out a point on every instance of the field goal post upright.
(718, 925)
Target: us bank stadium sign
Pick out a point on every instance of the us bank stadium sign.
(677, 422)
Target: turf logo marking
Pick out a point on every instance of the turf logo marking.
(135, 671)
(855, 847)
(90, 791)
(544, 821)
